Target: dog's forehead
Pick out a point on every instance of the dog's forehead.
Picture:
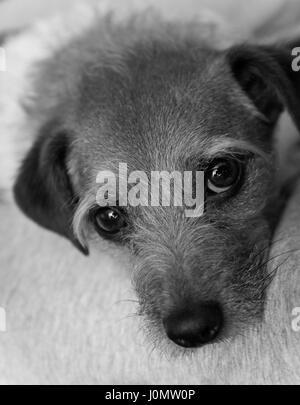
(158, 106)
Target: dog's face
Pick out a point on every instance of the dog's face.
(172, 107)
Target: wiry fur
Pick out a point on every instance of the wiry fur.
(162, 96)
(249, 283)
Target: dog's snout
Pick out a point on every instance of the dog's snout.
(194, 327)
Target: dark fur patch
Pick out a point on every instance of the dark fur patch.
(43, 189)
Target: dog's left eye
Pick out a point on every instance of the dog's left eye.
(222, 175)
(109, 220)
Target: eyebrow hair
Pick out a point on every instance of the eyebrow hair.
(80, 218)
(231, 146)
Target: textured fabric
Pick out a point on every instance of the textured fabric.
(245, 16)
(71, 319)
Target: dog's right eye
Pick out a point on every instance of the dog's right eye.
(108, 220)
(223, 175)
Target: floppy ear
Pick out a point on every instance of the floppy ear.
(266, 76)
(43, 189)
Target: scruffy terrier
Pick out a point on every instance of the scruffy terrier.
(166, 99)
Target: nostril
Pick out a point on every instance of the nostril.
(195, 327)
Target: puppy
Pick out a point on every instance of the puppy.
(165, 98)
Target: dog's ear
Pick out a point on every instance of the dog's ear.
(43, 189)
(266, 76)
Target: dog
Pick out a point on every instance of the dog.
(163, 98)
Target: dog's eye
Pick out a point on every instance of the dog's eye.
(109, 220)
(222, 175)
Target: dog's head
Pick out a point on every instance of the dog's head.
(173, 106)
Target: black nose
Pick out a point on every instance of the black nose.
(195, 327)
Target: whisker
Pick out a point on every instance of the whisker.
(272, 275)
(127, 301)
(128, 316)
(269, 246)
(276, 257)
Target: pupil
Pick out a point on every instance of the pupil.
(108, 220)
(113, 216)
(223, 174)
